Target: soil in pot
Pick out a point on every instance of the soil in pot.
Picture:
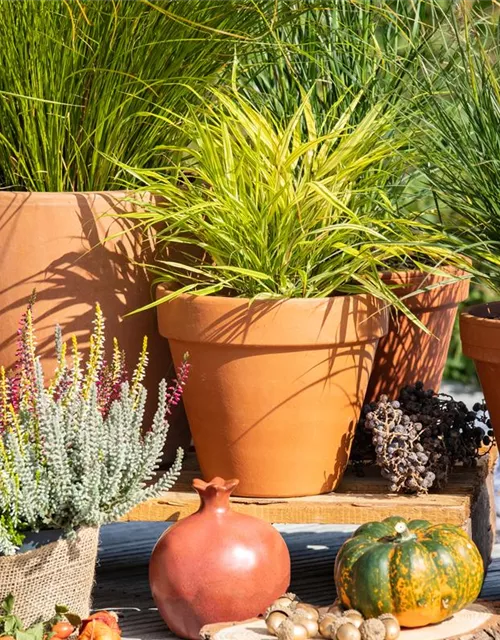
(54, 242)
(407, 354)
(480, 335)
(275, 387)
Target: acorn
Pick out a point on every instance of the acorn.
(334, 626)
(311, 625)
(307, 610)
(286, 600)
(372, 629)
(355, 617)
(274, 616)
(336, 609)
(348, 632)
(324, 622)
(392, 628)
(289, 630)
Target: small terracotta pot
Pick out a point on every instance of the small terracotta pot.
(480, 334)
(407, 354)
(72, 247)
(275, 387)
(217, 565)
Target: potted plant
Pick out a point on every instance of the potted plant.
(461, 119)
(73, 456)
(372, 49)
(271, 239)
(66, 114)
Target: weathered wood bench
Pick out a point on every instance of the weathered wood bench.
(467, 501)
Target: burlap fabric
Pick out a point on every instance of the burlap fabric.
(61, 572)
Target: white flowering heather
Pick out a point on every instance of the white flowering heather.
(74, 452)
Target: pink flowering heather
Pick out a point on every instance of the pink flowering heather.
(73, 377)
(176, 389)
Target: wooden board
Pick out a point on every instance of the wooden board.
(468, 502)
(477, 622)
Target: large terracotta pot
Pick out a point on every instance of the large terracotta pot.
(276, 387)
(480, 334)
(407, 354)
(217, 565)
(52, 242)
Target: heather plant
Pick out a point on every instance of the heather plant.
(73, 452)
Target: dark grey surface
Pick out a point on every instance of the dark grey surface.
(122, 573)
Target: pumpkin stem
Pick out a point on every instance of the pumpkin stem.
(402, 532)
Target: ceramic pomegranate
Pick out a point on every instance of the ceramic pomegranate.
(217, 565)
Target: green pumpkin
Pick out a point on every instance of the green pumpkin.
(419, 572)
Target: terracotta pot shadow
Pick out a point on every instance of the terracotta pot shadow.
(54, 242)
(407, 354)
(276, 387)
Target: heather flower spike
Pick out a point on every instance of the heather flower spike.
(73, 452)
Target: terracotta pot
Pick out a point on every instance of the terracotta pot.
(52, 242)
(480, 334)
(217, 565)
(407, 354)
(276, 387)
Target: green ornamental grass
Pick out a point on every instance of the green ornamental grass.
(75, 77)
(259, 207)
(459, 142)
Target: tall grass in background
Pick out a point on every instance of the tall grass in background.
(76, 75)
(459, 139)
(334, 47)
(365, 48)
(457, 119)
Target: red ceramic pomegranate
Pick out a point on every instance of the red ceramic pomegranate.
(217, 565)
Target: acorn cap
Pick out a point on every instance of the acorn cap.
(285, 630)
(277, 607)
(387, 616)
(337, 623)
(323, 616)
(291, 596)
(354, 612)
(372, 629)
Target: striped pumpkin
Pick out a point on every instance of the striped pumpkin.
(419, 572)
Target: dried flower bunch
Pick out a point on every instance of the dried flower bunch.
(417, 439)
(73, 452)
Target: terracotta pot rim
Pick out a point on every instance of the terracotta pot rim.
(468, 315)
(235, 301)
(51, 194)
(279, 323)
(410, 275)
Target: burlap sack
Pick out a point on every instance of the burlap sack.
(61, 572)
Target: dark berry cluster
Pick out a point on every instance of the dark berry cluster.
(416, 439)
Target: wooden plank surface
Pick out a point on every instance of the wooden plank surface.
(125, 548)
(476, 622)
(357, 500)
